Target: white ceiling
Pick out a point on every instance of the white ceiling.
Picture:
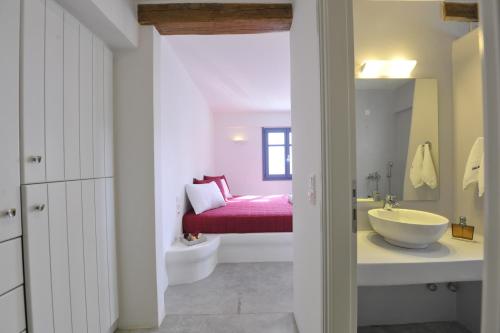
(238, 73)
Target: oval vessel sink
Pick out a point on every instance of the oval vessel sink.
(408, 228)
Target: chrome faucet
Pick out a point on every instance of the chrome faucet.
(391, 202)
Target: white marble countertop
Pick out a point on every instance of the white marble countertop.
(449, 260)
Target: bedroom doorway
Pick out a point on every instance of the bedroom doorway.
(224, 162)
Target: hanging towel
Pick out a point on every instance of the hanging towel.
(480, 183)
(474, 164)
(416, 168)
(429, 176)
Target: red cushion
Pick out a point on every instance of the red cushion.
(217, 177)
(206, 181)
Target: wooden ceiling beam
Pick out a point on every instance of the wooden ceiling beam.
(461, 11)
(216, 18)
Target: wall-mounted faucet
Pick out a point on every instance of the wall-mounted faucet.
(391, 202)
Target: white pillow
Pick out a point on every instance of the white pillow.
(204, 197)
(227, 194)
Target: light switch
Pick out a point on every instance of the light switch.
(311, 189)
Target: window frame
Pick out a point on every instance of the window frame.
(265, 153)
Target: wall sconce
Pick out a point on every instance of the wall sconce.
(387, 68)
(238, 139)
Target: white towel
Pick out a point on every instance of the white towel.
(416, 168)
(429, 176)
(480, 183)
(474, 164)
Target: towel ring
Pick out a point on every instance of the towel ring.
(429, 143)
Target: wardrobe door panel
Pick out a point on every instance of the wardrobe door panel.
(86, 136)
(11, 261)
(102, 252)
(71, 98)
(108, 112)
(37, 266)
(54, 117)
(12, 312)
(33, 92)
(112, 255)
(98, 106)
(10, 208)
(90, 255)
(76, 256)
(59, 265)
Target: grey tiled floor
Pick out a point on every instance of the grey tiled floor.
(250, 298)
(416, 328)
(236, 298)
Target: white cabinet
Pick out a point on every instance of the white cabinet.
(108, 112)
(67, 98)
(10, 220)
(70, 257)
(102, 252)
(112, 255)
(71, 98)
(11, 261)
(98, 106)
(76, 256)
(66, 161)
(90, 254)
(59, 258)
(37, 259)
(54, 117)
(33, 92)
(86, 137)
(12, 311)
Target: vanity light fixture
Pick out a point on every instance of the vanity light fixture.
(387, 68)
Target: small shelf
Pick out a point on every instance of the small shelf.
(382, 264)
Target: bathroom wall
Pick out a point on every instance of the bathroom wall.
(468, 122)
(415, 30)
(424, 127)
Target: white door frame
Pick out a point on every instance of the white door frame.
(338, 166)
(490, 21)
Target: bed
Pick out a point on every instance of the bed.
(243, 214)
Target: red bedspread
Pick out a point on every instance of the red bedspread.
(244, 214)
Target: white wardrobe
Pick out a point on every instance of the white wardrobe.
(66, 173)
(12, 316)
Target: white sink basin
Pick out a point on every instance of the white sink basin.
(412, 229)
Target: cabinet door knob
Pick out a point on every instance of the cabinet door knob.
(36, 159)
(11, 213)
(40, 207)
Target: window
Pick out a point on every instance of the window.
(277, 153)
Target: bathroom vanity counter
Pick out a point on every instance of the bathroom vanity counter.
(449, 260)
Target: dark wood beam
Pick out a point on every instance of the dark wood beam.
(216, 18)
(461, 11)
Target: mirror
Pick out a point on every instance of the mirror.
(397, 138)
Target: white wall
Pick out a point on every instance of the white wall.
(115, 21)
(424, 127)
(241, 162)
(306, 123)
(185, 144)
(468, 122)
(135, 185)
(415, 30)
